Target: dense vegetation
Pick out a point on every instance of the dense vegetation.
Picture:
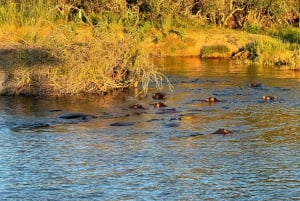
(93, 46)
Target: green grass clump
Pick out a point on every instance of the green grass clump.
(214, 51)
(21, 13)
(287, 34)
(270, 51)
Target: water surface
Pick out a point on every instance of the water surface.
(160, 154)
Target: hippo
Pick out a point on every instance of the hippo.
(159, 104)
(222, 131)
(212, 100)
(137, 106)
(158, 95)
(255, 84)
(268, 97)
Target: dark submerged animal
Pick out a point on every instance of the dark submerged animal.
(222, 131)
(137, 106)
(159, 96)
(255, 84)
(159, 104)
(212, 100)
(268, 97)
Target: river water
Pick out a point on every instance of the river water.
(159, 153)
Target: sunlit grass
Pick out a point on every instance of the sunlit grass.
(270, 51)
(110, 50)
(86, 59)
(81, 63)
(214, 51)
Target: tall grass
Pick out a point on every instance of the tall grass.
(28, 12)
(82, 64)
(85, 58)
(270, 51)
(287, 34)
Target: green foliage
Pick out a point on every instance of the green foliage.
(288, 34)
(250, 15)
(14, 12)
(252, 28)
(269, 51)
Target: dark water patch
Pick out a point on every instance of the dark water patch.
(79, 116)
(55, 110)
(32, 126)
(172, 125)
(155, 119)
(108, 115)
(281, 89)
(137, 113)
(167, 111)
(189, 81)
(123, 124)
(227, 92)
(196, 135)
(191, 90)
(190, 114)
(259, 88)
(212, 81)
(195, 101)
(175, 118)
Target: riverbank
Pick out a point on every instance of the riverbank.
(222, 43)
(74, 59)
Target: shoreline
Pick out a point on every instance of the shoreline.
(37, 59)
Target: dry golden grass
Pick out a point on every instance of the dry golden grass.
(193, 42)
(68, 60)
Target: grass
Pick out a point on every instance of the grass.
(215, 51)
(74, 61)
(270, 51)
(58, 57)
(29, 13)
(287, 34)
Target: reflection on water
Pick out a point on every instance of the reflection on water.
(159, 154)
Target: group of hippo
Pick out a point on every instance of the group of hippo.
(223, 131)
(160, 103)
(163, 96)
